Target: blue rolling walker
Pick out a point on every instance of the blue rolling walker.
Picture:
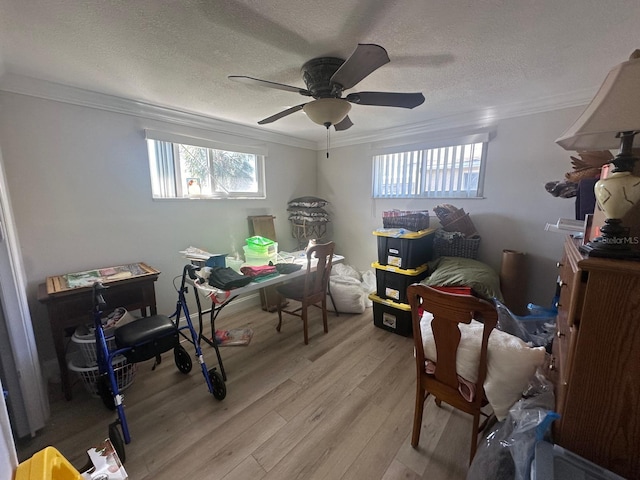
(143, 339)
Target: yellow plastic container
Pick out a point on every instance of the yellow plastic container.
(47, 464)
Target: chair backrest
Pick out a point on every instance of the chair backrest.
(449, 310)
(316, 282)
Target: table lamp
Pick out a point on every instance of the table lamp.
(612, 120)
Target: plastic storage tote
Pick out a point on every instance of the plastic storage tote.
(392, 282)
(392, 316)
(47, 464)
(405, 250)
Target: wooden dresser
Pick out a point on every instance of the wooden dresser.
(596, 360)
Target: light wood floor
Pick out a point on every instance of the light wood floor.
(338, 408)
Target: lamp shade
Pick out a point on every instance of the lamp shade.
(327, 111)
(614, 109)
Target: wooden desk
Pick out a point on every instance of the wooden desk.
(71, 308)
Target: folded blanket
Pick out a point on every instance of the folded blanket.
(258, 270)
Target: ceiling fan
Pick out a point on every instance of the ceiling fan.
(326, 79)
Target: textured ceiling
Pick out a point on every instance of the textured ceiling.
(465, 56)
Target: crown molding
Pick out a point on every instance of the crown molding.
(67, 94)
(478, 118)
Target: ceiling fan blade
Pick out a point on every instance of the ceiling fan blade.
(265, 83)
(344, 124)
(284, 113)
(366, 58)
(386, 99)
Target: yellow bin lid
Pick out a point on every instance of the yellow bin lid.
(395, 233)
(390, 303)
(410, 272)
(47, 464)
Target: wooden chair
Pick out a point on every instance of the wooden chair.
(310, 289)
(449, 310)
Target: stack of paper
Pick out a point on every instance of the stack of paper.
(566, 225)
(193, 253)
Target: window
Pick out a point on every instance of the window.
(183, 167)
(445, 171)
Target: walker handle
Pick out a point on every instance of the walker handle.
(99, 302)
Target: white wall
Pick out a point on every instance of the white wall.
(521, 159)
(79, 184)
(80, 189)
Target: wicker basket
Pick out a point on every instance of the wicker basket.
(414, 221)
(447, 218)
(461, 224)
(456, 246)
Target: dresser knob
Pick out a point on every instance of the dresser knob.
(558, 264)
(552, 364)
(559, 334)
(561, 283)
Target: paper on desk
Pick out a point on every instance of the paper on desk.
(196, 253)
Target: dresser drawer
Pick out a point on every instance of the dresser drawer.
(568, 281)
(559, 366)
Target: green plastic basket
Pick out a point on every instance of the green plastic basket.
(261, 245)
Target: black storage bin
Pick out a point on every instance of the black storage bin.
(392, 316)
(406, 251)
(392, 282)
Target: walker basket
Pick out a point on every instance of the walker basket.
(125, 373)
(85, 338)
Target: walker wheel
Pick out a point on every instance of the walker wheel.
(116, 440)
(182, 359)
(219, 388)
(104, 391)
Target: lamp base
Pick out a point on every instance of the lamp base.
(598, 250)
(614, 242)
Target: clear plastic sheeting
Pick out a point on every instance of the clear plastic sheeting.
(508, 447)
(537, 328)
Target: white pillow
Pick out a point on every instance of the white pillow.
(510, 362)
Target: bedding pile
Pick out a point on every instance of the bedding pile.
(350, 289)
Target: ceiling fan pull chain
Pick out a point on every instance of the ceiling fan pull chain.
(327, 142)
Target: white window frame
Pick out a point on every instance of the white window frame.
(165, 171)
(431, 170)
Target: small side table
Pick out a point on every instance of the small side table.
(71, 308)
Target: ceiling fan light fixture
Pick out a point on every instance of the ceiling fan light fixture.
(327, 111)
